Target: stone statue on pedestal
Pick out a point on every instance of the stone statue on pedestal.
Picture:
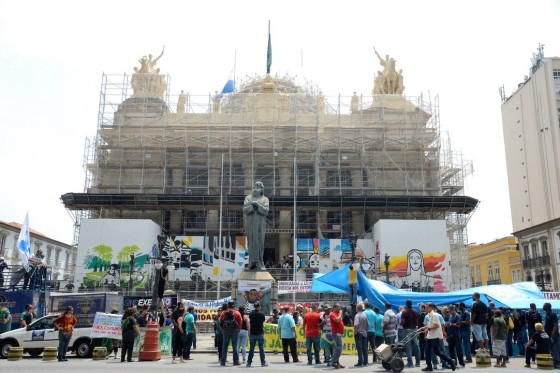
(388, 81)
(146, 81)
(255, 209)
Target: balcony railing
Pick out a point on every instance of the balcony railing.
(536, 262)
(494, 282)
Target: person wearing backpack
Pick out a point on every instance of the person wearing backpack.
(532, 317)
(130, 331)
(230, 323)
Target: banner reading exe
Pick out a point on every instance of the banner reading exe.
(274, 343)
(287, 287)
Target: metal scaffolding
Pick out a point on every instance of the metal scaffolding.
(342, 148)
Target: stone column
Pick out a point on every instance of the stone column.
(357, 216)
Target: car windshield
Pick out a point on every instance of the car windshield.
(43, 323)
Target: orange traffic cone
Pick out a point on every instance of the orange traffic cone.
(151, 351)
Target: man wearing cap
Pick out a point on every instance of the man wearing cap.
(5, 320)
(433, 338)
(256, 334)
(287, 332)
(311, 322)
(326, 333)
(230, 332)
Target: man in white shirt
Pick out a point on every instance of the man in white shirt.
(435, 334)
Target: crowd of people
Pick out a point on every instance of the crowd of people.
(451, 333)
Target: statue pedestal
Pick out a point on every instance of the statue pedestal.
(254, 285)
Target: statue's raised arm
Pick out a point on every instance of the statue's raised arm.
(381, 60)
(158, 57)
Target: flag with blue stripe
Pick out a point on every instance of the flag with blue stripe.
(24, 243)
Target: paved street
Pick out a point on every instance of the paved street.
(205, 358)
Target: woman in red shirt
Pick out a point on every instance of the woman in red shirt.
(65, 326)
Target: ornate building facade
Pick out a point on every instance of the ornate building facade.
(330, 165)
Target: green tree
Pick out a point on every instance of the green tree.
(105, 255)
(124, 255)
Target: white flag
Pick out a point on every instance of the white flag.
(24, 243)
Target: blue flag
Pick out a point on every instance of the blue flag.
(228, 87)
(24, 243)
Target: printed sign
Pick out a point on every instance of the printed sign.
(164, 342)
(106, 325)
(38, 335)
(144, 301)
(286, 287)
(274, 343)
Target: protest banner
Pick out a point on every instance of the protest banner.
(287, 287)
(106, 325)
(274, 343)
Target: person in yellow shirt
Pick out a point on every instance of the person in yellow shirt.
(353, 283)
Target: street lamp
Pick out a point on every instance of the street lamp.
(130, 282)
(543, 280)
(161, 238)
(353, 242)
(386, 267)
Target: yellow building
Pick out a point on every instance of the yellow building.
(497, 262)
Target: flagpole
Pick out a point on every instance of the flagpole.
(234, 67)
(220, 229)
(295, 220)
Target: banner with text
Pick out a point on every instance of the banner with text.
(164, 342)
(274, 343)
(287, 287)
(106, 325)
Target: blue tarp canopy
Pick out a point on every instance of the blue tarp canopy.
(515, 296)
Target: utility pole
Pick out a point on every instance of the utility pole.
(387, 268)
(130, 282)
(353, 243)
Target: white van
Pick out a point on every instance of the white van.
(40, 334)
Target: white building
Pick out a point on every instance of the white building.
(532, 142)
(60, 257)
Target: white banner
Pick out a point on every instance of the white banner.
(286, 287)
(551, 295)
(210, 304)
(106, 325)
(248, 285)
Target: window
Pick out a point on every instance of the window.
(337, 182)
(193, 219)
(556, 74)
(497, 269)
(478, 274)
(490, 272)
(526, 251)
(472, 276)
(544, 248)
(534, 249)
(195, 181)
(515, 276)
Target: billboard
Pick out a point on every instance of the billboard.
(321, 255)
(105, 250)
(419, 256)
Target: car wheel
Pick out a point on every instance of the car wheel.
(82, 348)
(5, 348)
(34, 352)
